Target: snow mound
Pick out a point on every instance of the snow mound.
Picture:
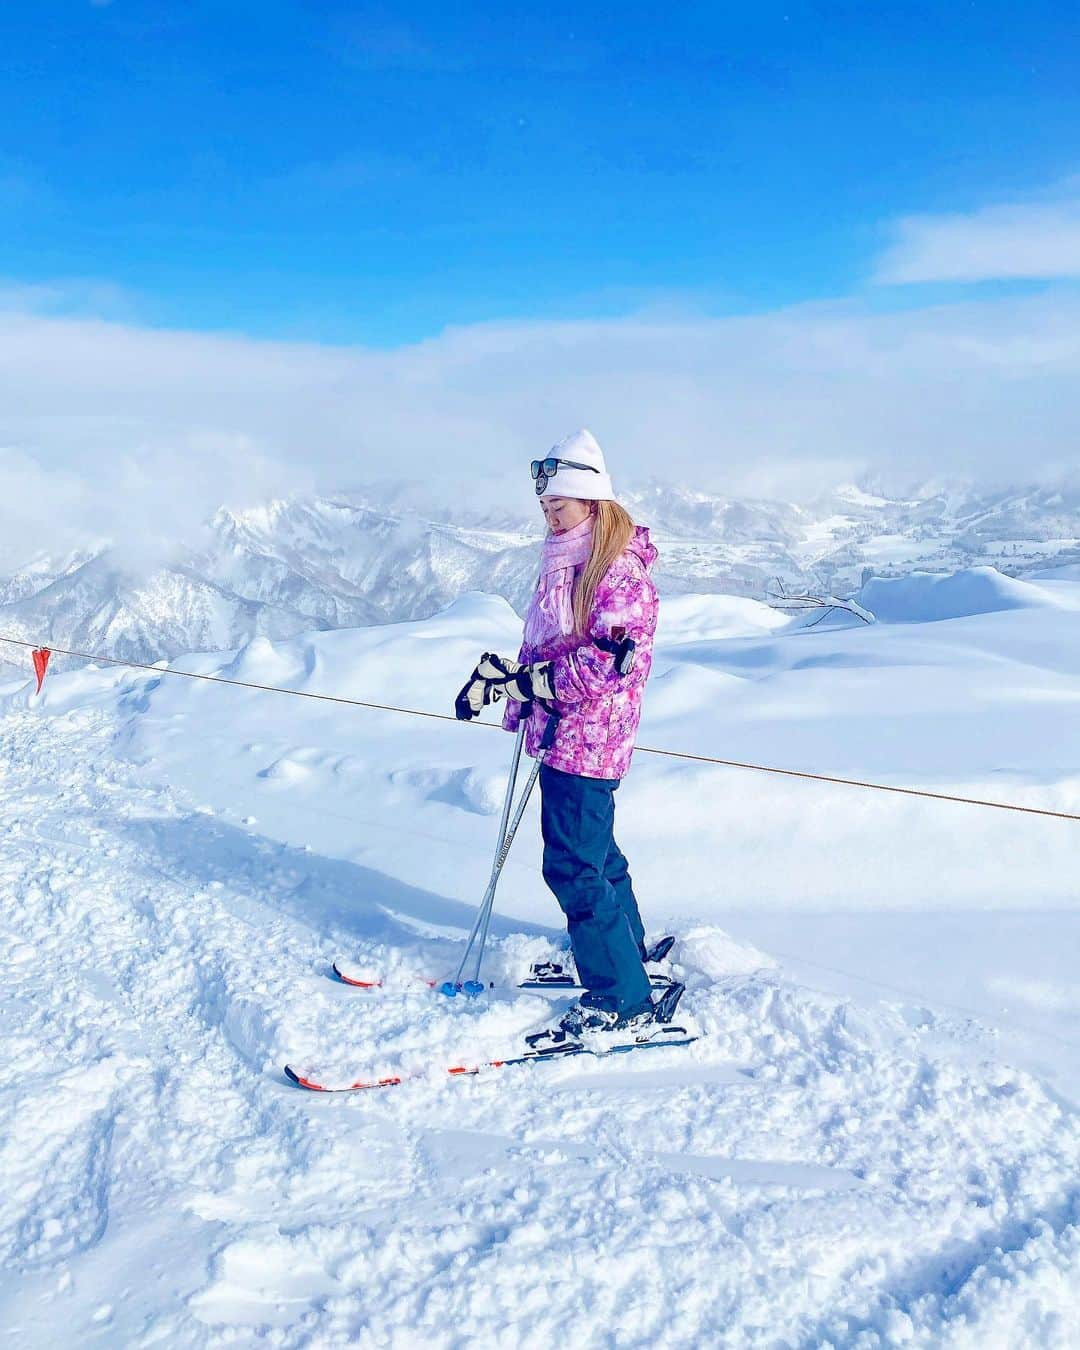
(925, 597)
(472, 789)
(260, 662)
(1070, 572)
(715, 953)
(694, 618)
(474, 607)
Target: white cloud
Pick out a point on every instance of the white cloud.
(131, 432)
(71, 296)
(1034, 241)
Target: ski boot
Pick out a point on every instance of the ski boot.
(635, 1027)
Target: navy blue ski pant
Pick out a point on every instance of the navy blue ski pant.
(589, 876)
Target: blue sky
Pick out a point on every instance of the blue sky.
(251, 250)
(353, 173)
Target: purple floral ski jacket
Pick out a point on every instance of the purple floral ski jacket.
(600, 709)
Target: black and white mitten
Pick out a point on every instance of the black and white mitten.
(497, 677)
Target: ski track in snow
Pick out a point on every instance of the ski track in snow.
(812, 1172)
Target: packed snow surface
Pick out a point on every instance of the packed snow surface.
(874, 1142)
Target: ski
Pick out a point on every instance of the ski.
(412, 984)
(554, 975)
(414, 981)
(417, 982)
(669, 1037)
(545, 975)
(572, 987)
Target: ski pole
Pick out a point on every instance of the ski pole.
(500, 861)
(488, 904)
(450, 987)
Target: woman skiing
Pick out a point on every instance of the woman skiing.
(579, 679)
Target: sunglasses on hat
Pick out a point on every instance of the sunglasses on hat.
(543, 470)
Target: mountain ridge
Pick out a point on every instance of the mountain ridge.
(315, 563)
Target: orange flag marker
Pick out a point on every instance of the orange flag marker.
(41, 664)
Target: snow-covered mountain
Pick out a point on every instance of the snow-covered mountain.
(368, 557)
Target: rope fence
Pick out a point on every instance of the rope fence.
(491, 726)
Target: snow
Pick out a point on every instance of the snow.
(853, 493)
(922, 597)
(289, 566)
(692, 618)
(875, 1141)
(1070, 572)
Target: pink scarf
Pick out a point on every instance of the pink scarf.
(551, 611)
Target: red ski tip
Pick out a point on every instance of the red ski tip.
(359, 984)
(303, 1082)
(417, 980)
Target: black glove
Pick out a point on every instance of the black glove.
(497, 677)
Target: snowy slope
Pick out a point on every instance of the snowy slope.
(847, 1156)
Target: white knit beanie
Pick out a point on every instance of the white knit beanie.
(584, 484)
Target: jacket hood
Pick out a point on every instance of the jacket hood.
(641, 545)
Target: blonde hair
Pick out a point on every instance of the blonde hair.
(612, 531)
